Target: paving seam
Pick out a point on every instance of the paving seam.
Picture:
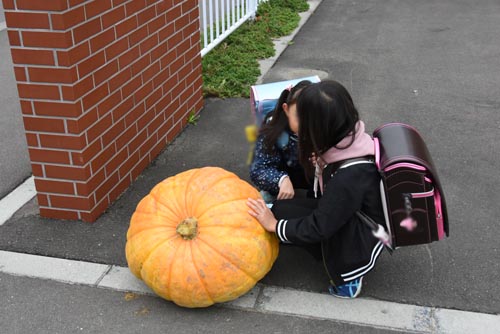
(266, 299)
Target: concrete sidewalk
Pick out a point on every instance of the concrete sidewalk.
(268, 300)
(32, 305)
(432, 65)
(15, 166)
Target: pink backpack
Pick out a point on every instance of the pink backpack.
(412, 196)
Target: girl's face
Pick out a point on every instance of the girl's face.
(293, 119)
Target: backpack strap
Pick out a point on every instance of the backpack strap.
(378, 230)
(332, 168)
(377, 152)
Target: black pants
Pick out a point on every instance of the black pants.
(296, 208)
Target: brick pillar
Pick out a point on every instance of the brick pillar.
(103, 86)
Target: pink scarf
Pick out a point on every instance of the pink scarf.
(361, 146)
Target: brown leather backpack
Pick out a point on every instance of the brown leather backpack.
(412, 196)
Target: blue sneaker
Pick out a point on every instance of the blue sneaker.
(348, 290)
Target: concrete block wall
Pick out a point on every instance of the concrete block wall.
(104, 85)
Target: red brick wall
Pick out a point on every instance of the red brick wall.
(103, 86)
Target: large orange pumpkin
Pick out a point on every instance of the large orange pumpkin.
(192, 241)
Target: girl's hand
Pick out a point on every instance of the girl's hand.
(286, 189)
(262, 213)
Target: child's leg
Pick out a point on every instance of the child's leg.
(300, 207)
(294, 208)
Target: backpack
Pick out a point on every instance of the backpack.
(412, 196)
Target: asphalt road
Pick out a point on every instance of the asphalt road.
(2, 13)
(37, 306)
(434, 65)
(14, 161)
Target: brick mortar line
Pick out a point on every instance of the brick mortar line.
(84, 4)
(88, 93)
(127, 35)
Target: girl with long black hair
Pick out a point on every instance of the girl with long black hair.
(330, 130)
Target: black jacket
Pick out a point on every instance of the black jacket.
(349, 248)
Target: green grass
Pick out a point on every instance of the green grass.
(193, 118)
(232, 67)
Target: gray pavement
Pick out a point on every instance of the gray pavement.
(435, 65)
(38, 306)
(2, 13)
(14, 161)
(432, 64)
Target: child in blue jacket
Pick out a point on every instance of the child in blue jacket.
(275, 170)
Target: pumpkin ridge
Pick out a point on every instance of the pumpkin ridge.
(198, 273)
(203, 225)
(153, 250)
(221, 226)
(149, 229)
(200, 216)
(158, 202)
(186, 191)
(198, 198)
(225, 258)
(136, 226)
(167, 287)
(162, 214)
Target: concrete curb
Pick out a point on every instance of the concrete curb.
(16, 199)
(265, 299)
(280, 44)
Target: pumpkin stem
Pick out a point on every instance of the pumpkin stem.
(188, 228)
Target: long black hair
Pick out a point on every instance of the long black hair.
(272, 129)
(326, 115)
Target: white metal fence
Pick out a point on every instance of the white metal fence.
(219, 18)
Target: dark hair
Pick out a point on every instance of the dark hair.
(272, 130)
(326, 115)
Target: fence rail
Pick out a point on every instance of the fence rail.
(219, 18)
